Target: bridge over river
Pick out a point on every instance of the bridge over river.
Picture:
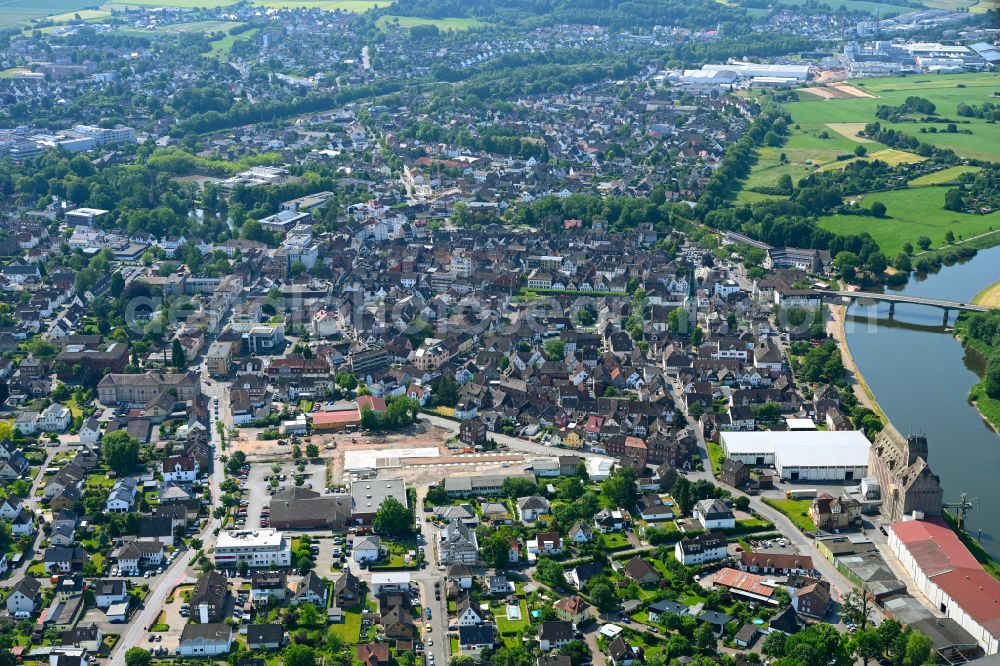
(892, 299)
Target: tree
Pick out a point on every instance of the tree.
(768, 411)
(923, 242)
(785, 183)
(177, 354)
(949, 236)
(555, 349)
(742, 502)
(621, 487)
(866, 645)
(312, 450)
(136, 656)
(120, 451)
(515, 486)
(585, 316)
(602, 594)
(697, 336)
(392, 518)
(243, 568)
(918, 649)
(856, 608)
(860, 151)
(577, 651)
(549, 572)
(878, 209)
(902, 262)
(236, 461)
(846, 263)
(299, 655)
(953, 200)
(495, 550)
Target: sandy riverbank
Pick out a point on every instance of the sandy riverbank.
(989, 297)
(836, 327)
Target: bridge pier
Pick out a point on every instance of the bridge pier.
(892, 309)
(945, 317)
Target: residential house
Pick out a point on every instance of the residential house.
(714, 514)
(555, 634)
(574, 609)
(268, 585)
(265, 636)
(24, 596)
(531, 508)
(205, 640)
(642, 572)
(472, 641)
(707, 547)
(313, 590)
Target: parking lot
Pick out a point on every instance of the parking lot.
(258, 487)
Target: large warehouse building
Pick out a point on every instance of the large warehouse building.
(821, 455)
(950, 577)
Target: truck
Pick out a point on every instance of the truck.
(801, 493)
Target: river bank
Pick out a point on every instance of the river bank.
(989, 408)
(837, 328)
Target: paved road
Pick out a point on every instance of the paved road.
(515, 443)
(805, 545)
(161, 585)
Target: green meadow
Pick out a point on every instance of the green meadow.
(910, 214)
(442, 24)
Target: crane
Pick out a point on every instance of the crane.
(962, 507)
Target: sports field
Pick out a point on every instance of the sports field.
(442, 24)
(912, 213)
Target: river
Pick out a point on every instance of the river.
(921, 375)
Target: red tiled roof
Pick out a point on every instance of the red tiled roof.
(745, 582)
(945, 560)
(329, 418)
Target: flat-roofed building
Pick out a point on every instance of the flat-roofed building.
(802, 456)
(259, 548)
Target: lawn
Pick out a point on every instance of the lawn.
(911, 213)
(99, 481)
(797, 511)
(221, 47)
(615, 541)
(350, 629)
(442, 24)
(942, 177)
(511, 627)
(715, 454)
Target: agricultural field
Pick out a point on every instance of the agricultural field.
(222, 46)
(177, 28)
(883, 8)
(353, 6)
(912, 213)
(943, 177)
(814, 114)
(442, 24)
(13, 12)
(889, 156)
